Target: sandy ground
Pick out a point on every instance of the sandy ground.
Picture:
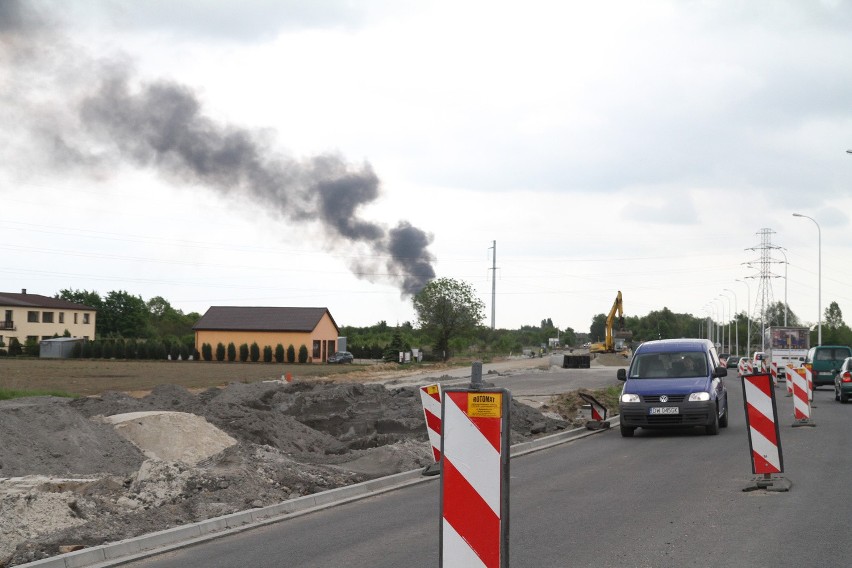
(98, 469)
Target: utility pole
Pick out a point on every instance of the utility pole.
(763, 298)
(493, 282)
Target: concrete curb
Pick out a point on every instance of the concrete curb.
(124, 551)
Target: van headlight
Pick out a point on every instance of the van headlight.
(630, 398)
(699, 397)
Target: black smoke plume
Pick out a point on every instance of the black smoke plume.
(161, 125)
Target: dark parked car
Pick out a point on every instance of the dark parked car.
(732, 362)
(341, 357)
(843, 381)
(674, 383)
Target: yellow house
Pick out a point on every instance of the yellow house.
(32, 316)
(312, 327)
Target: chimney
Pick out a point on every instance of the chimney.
(23, 290)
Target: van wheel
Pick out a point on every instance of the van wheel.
(723, 421)
(713, 428)
(844, 398)
(627, 432)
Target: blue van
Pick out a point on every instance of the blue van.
(674, 383)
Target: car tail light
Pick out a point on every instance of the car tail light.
(846, 377)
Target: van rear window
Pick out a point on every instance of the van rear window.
(832, 354)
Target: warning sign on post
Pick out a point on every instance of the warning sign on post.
(485, 404)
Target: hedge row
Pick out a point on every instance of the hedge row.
(253, 353)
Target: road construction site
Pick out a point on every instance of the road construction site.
(79, 473)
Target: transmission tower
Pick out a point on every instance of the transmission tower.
(763, 299)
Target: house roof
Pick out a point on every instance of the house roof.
(39, 301)
(230, 318)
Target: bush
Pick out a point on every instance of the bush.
(15, 348)
(244, 353)
(279, 353)
(220, 352)
(267, 354)
(291, 354)
(31, 348)
(87, 350)
(232, 352)
(207, 352)
(303, 354)
(183, 352)
(254, 352)
(142, 350)
(174, 351)
(108, 350)
(97, 349)
(130, 349)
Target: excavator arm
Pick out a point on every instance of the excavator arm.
(609, 343)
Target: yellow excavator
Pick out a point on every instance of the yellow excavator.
(614, 342)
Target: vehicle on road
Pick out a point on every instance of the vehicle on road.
(674, 383)
(732, 362)
(824, 360)
(341, 357)
(614, 341)
(843, 381)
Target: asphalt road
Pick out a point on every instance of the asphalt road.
(658, 499)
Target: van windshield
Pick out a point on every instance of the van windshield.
(672, 365)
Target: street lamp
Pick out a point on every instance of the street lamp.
(786, 264)
(748, 317)
(736, 323)
(721, 322)
(729, 321)
(819, 276)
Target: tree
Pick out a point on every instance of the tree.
(597, 331)
(833, 316)
(206, 351)
(84, 297)
(267, 354)
(303, 354)
(279, 353)
(220, 352)
(254, 352)
(291, 353)
(775, 315)
(123, 315)
(244, 352)
(232, 352)
(447, 309)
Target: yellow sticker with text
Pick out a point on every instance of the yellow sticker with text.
(432, 389)
(485, 404)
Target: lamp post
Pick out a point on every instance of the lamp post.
(781, 250)
(736, 323)
(819, 276)
(748, 317)
(721, 322)
(729, 321)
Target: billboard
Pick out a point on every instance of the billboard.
(788, 337)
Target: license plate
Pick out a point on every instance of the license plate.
(665, 410)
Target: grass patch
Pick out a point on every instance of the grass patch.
(9, 394)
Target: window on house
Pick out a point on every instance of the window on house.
(61, 317)
(85, 318)
(32, 317)
(75, 317)
(317, 348)
(46, 317)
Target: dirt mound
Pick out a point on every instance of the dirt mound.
(293, 439)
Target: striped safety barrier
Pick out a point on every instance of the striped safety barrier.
(762, 417)
(773, 370)
(789, 372)
(475, 479)
(802, 397)
(430, 397)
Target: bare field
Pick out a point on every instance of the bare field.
(89, 377)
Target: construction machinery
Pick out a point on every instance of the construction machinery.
(616, 338)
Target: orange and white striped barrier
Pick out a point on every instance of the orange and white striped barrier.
(475, 479)
(802, 397)
(430, 397)
(773, 370)
(764, 436)
(789, 372)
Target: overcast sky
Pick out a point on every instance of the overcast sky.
(339, 154)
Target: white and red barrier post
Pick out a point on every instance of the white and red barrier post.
(764, 436)
(475, 478)
(773, 370)
(430, 397)
(802, 396)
